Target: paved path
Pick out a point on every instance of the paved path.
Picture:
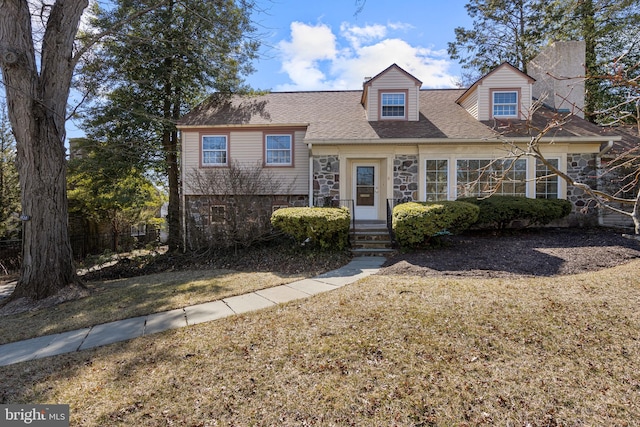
(122, 330)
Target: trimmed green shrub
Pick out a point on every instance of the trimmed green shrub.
(416, 223)
(326, 227)
(502, 211)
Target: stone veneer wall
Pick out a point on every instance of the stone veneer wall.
(326, 179)
(582, 168)
(405, 178)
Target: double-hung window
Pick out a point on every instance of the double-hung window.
(437, 180)
(279, 150)
(546, 182)
(505, 104)
(215, 150)
(483, 177)
(393, 105)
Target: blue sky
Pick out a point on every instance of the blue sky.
(323, 45)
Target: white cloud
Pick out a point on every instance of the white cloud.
(359, 35)
(317, 59)
(400, 26)
(310, 42)
(301, 56)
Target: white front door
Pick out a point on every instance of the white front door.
(365, 190)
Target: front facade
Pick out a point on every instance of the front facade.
(392, 141)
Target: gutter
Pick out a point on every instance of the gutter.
(451, 141)
(606, 149)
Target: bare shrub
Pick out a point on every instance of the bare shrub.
(234, 205)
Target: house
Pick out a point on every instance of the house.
(392, 140)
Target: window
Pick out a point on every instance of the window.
(484, 177)
(546, 183)
(393, 105)
(437, 183)
(505, 104)
(278, 150)
(218, 214)
(214, 150)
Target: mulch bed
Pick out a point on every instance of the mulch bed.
(528, 252)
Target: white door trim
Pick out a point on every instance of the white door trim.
(366, 189)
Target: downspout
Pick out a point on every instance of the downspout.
(310, 176)
(602, 152)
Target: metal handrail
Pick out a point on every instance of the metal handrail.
(391, 203)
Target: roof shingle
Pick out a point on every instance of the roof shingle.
(339, 115)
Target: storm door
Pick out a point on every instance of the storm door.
(365, 179)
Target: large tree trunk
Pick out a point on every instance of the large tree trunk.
(37, 108)
(173, 211)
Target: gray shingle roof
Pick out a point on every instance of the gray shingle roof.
(339, 115)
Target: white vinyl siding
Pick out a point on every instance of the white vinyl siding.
(247, 148)
(503, 79)
(393, 80)
(470, 103)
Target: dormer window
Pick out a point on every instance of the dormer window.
(505, 104)
(393, 105)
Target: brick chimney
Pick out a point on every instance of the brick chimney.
(559, 70)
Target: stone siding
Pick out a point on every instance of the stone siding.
(326, 180)
(405, 178)
(582, 168)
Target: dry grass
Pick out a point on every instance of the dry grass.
(120, 299)
(388, 350)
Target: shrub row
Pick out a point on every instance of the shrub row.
(416, 224)
(502, 211)
(327, 228)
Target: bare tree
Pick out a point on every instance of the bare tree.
(38, 55)
(37, 88)
(624, 189)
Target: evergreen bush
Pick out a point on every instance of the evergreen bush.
(507, 211)
(417, 223)
(327, 228)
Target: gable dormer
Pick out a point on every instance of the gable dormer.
(392, 95)
(503, 93)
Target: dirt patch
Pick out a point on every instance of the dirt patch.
(21, 305)
(280, 257)
(529, 252)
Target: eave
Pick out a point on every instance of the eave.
(466, 141)
(244, 126)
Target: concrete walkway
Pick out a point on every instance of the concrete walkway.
(122, 330)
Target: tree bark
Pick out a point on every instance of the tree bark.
(36, 103)
(173, 211)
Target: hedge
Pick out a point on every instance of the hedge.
(501, 211)
(416, 223)
(326, 227)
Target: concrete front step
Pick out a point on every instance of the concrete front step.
(370, 240)
(372, 252)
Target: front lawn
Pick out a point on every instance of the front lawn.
(387, 350)
(137, 296)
